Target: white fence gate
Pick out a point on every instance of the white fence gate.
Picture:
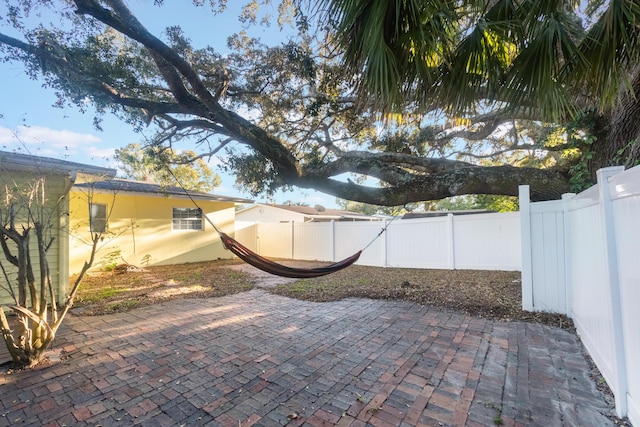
(581, 258)
(479, 241)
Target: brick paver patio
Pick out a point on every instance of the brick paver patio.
(259, 359)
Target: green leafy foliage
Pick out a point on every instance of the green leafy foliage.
(473, 88)
(362, 208)
(478, 201)
(152, 164)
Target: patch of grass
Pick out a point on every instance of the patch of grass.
(301, 286)
(306, 287)
(102, 293)
(110, 292)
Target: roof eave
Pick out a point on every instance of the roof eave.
(212, 198)
(50, 166)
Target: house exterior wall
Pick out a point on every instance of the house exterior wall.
(265, 213)
(140, 228)
(56, 206)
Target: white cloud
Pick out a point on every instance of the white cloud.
(51, 138)
(62, 144)
(103, 153)
(318, 199)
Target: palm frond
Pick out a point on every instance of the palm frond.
(392, 45)
(610, 49)
(534, 75)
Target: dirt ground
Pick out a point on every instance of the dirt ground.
(488, 294)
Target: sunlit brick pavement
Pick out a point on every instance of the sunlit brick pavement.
(259, 359)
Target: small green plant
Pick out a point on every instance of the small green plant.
(146, 260)
(497, 420)
(624, 155)
(111, 260)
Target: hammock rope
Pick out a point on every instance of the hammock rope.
(266, 265)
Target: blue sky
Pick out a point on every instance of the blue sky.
(30, 123)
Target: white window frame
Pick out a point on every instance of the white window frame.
(187, 219)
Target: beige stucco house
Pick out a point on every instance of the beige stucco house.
(52, 179)
(147, 224)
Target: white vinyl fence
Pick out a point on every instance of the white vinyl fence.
(581, 257)
(478, 241)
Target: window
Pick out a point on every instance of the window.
(187, 219)
(97, 218)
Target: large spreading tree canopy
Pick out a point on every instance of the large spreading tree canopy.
(467, 98)
(571, 63)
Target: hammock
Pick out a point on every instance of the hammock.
(269, 266)
(252, 258)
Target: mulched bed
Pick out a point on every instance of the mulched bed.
(489, 294)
